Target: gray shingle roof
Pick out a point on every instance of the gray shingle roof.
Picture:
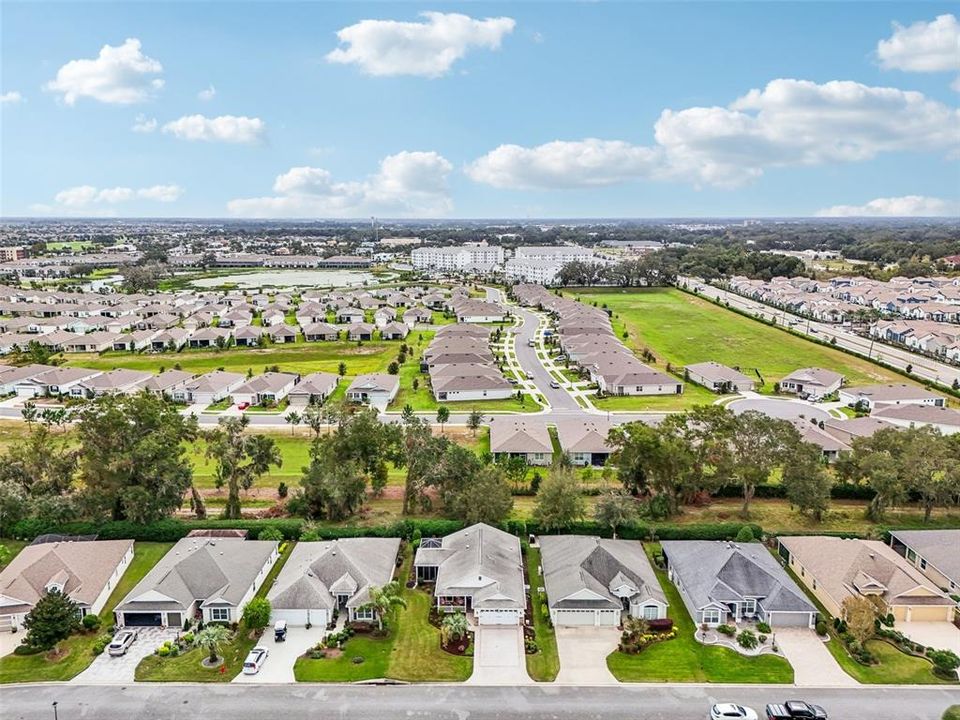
(941, 548)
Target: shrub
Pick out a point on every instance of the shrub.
(763, 627)
(763, 639)
(945, 661)
(270, 533)
(101, 644)
(727, 630)
(660, 625)
(24, 649)
(746, 639)
(163, 650)
(531, 647)
(187, 638)
(745, 535)
(839, 625)
(90, 622)
(256, 614)
(821, 628)
(282, 492)
(356, 659)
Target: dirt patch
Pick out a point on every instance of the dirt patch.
(457, 647)
(332, 653)
(57, 654)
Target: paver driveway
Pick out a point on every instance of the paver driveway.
(279, 665)
(583, 655)
(813, 665)
(939, 635)
(498, 658)
(108, 670)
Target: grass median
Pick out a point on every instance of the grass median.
(545, 664)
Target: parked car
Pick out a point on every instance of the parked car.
(243, 405)
(532, 343)
(554, 384)
(529, 376)
(796, 709)
(512, 380)
(280, 631)
(121, 642)
(731, 711)
(255, 660)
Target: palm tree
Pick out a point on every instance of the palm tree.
(211, 638)
(384, 599)
(453, 627)
(294, 418)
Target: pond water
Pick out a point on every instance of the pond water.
(292, 278)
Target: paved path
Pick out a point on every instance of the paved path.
(108, 670)
(170, 701)
(279, 665)
(583, 655)
(939, 635)
(813, 665)
(498, 658)
(778, 408)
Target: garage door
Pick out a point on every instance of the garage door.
(785, 619)
(299, 618)
(928, 614)
(142, 619)
(499, 617)
(576, 617)
(6, 623)
(26, 391)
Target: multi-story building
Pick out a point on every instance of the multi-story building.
(456, 258)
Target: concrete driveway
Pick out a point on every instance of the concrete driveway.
(279, 665)
(498, 658)
(813, 665)
(108, 670)
(9, 641)
(782, 409)
(583, 654)
(938, 635)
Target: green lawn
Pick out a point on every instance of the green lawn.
(952, 713)
(72, 245)
(692, 395)
(683, 659)
(187, 667)
(13, 547)
(422, 398)
(681, 329)
(37, 668)
(376, 659)
(544, 666)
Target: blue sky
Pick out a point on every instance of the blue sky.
(480, 110)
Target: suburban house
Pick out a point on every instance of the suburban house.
(114, 381)
(944, 419)
(723, 582)
(478, 569)
(623, 374)
(86, 571)
(376, 389)
(518, 437)
(171, 339)
(360, 331)
(394, 331)
(478, 311)
(830, 445)
(209, 388)
(936, 553)
(58, 381)
(475, 384)
(209, 337)
(313, 389)
(320, 578)
(837, 568)
(584, 441)
(719, 378)
(270, 387)
(315, 332)
(847, 431)
(248, 336)
(876, 396)
(167, 382)
(595, 581)
(11, 376)
(199, 578)
(811, 383)
(282, 333)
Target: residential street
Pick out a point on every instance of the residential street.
(451, 702)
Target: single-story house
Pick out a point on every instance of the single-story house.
(209, 337)
(478, 569)
(595, 581)
(520, 437)
(847, 431)
(837, 568)
(350, 315)
(478, 311)
(58, 381)
(584, 441)
(417, 315)
(282, 333)
(875, 396)
(315, 332)
(170, 339)
(211, 579)
(723, 582)
(944, 419)
(376, 389)
(935, 553)
(811, 383)
(313, 389)
(248, 336)
(719, 378)
(475, 384)
(114, 381)
(167, 382)
(11, 376)
(335, 575)
(210, 388)
(268, 387)
(394, 331)
(86, 571)
(360, 331)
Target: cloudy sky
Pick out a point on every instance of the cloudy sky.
(316, 110)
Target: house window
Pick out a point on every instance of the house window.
(363, 614)
(749, 606)
(650, 612)
(814, 584)
(220, 614)
(923, 563)
(911, 555)
(711, 617)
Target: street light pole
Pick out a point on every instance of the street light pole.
(55, 710)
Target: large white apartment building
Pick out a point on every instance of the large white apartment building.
(554, 253)
(541, 264)
(459, 257)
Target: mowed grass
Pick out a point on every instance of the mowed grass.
(545, 664)
(692, 395)
(683, 659)
(681, 329)
(13, 548)
(78, 648)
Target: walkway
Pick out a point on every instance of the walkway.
(583, 655)
(498, 657)
(813, 665)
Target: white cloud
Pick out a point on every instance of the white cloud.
(408, 184)
(561, 164)
(225, 128)
(923, 46)
(787, 123)
(207, 94)
(85, 198)
(428, 49)
(120, 75)
(12, 97)
(143, 124)
(906, 206)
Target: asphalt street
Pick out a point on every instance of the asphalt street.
(923, 367)
(447, 702)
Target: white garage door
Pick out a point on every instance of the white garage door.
(27, 391)
(499, 617)
(300, 618)
(788, 619)
(604, 618)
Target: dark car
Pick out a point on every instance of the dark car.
(796, 709)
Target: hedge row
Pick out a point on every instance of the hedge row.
(840, 491)
(172, 530)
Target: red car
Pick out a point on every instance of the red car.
(243, 405)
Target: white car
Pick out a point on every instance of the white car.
(121, 642)
(731, 711)
(255, 660)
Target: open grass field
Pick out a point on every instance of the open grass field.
(681, 329)
(73, 246)
(683, 659)
(78, 648)
(544, 666)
